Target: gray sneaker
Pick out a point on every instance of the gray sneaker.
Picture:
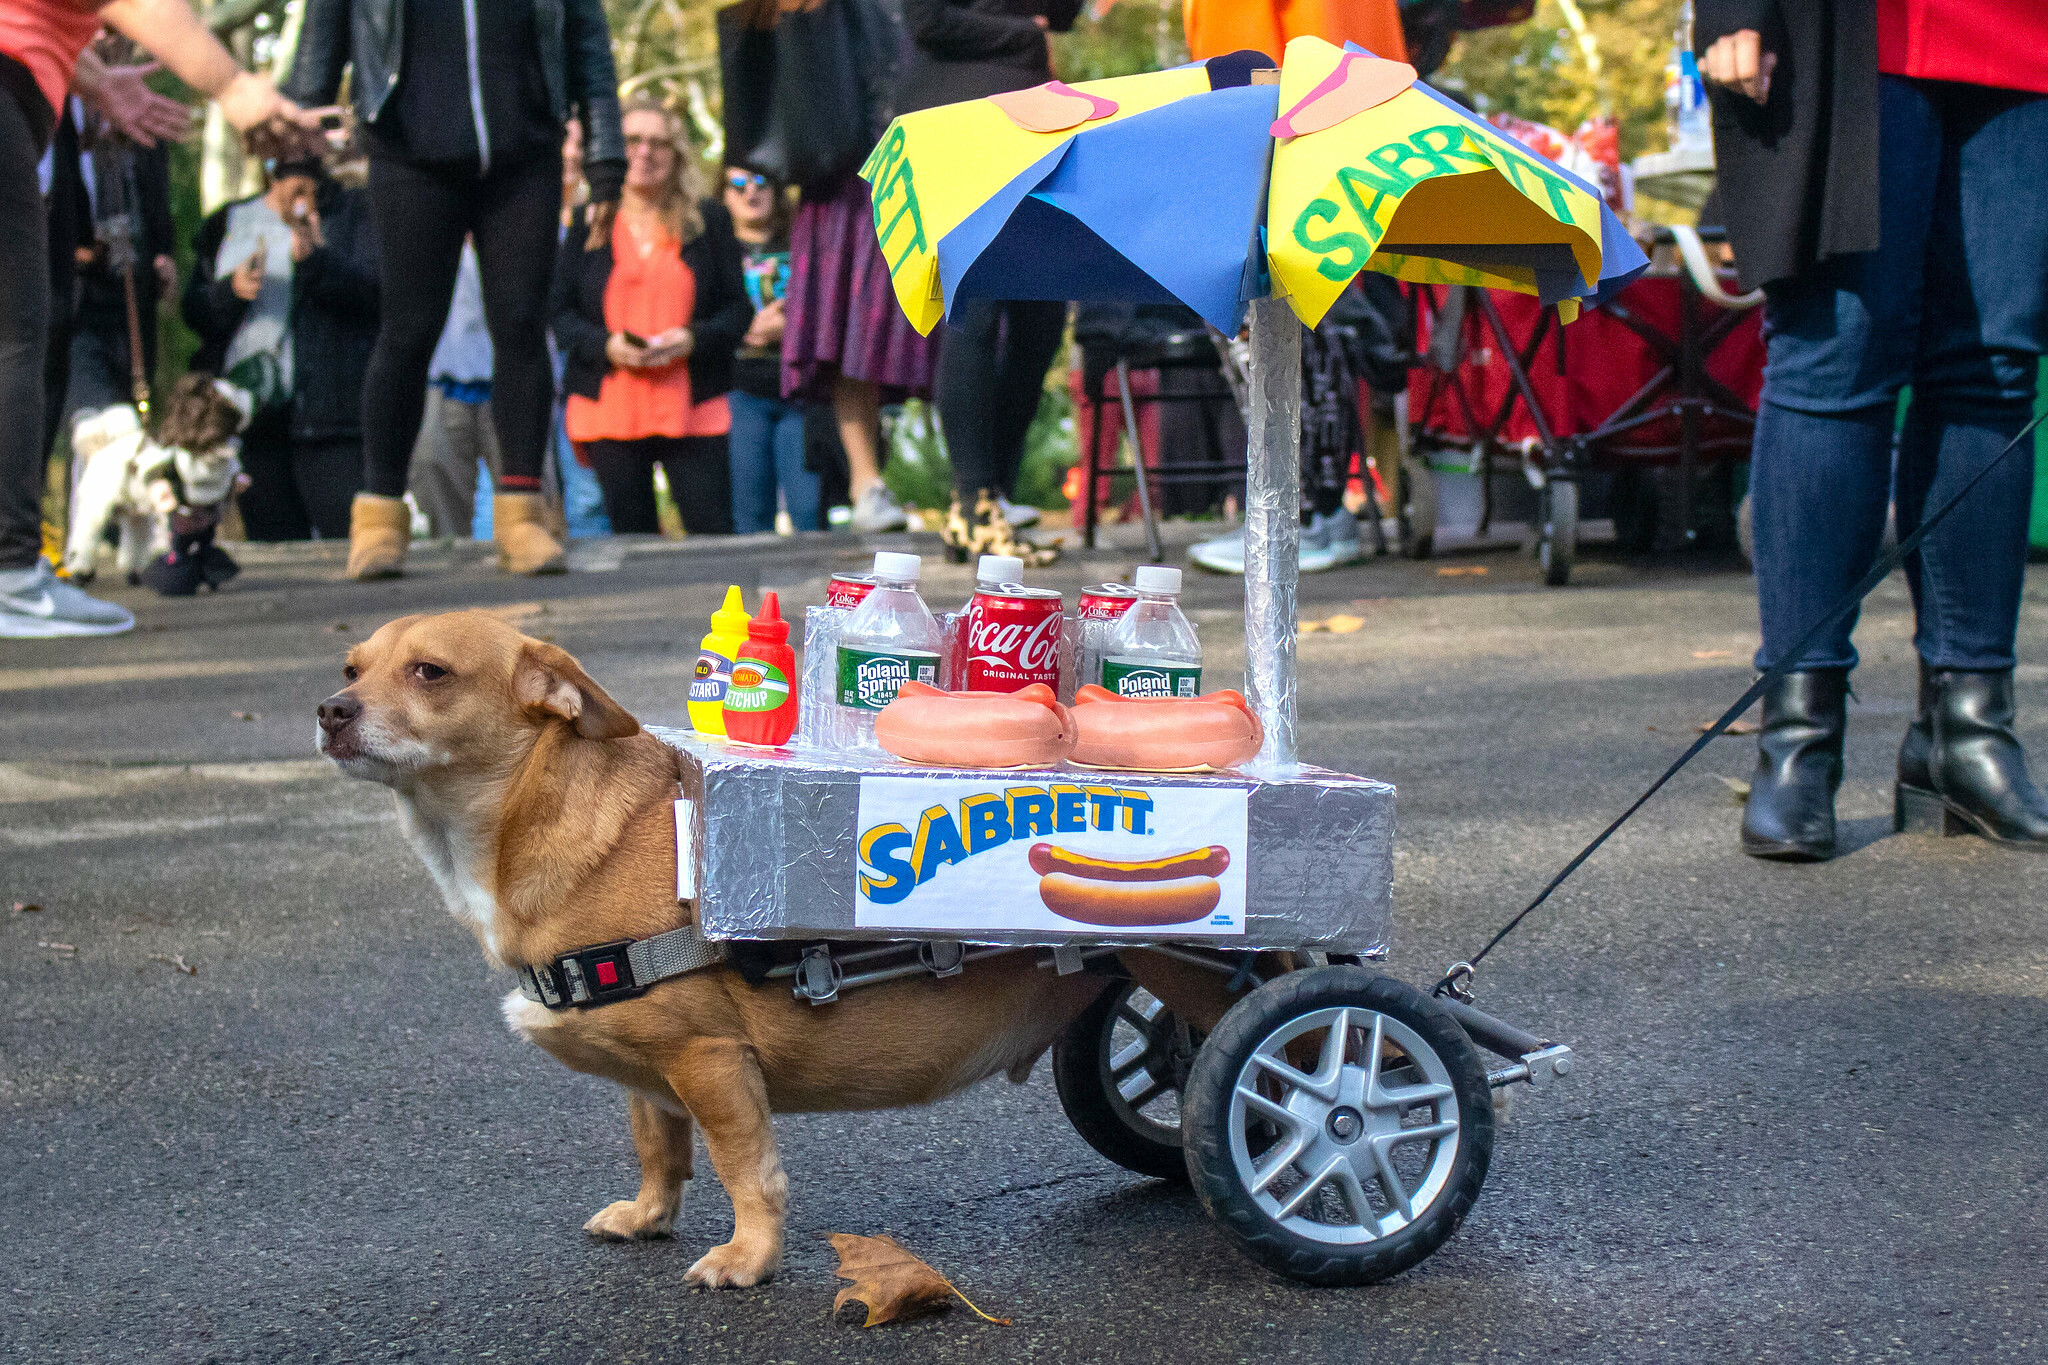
(875, 510)
(37, 605)
(1016, 514)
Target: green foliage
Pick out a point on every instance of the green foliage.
(1538, 71)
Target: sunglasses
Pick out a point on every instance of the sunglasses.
(745, 180)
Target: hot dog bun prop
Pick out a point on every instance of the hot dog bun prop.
(1023, 729)
(1163, 734)
(1130, 895)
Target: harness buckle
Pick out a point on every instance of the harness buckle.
(599, 974)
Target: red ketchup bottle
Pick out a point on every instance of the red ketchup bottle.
(760, 703)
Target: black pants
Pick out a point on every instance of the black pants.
(24, 335)
(699, 479)
(991, 372)
(422, 214)
(297, 487)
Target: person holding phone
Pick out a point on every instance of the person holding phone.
(1884, 179)
(648, 311)
(283, 297)
(767, 432)
(40, 45)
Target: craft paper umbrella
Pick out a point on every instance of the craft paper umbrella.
(1216, 185)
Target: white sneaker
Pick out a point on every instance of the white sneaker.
(1319, 549)
(875, 510)
(37, 605)
(1339, 530)
(1018, 517)
(1225, 554)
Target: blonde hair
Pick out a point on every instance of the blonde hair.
(680, 208)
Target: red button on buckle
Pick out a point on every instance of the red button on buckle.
(607, 973)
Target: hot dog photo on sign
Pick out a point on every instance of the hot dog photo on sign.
(1055, 851)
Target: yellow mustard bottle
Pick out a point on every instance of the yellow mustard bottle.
(714, 664)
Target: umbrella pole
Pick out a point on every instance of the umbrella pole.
(1272, 524)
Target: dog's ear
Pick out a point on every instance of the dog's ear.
(549, 679)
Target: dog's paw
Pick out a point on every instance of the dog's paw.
(628, 1219)
(733, 1266)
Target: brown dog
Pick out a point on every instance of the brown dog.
(543, 812)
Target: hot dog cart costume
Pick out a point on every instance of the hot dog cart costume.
(1337, 1123)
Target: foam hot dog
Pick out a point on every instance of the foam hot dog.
(1163, 734)
(1129, 905)
(1199, 862)
(1026, 728)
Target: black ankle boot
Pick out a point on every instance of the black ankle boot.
(1791, 810)
(1961, 768)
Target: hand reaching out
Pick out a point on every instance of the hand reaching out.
(1738, 61)
(141, 115)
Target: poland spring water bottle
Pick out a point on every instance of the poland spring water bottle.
(1153, 651)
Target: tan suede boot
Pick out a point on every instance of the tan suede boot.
(378, 531)
(524, 545)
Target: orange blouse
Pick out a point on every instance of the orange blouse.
(650, 291)
(1214, 27)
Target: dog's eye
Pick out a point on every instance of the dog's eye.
(426, 672)
(348, 673)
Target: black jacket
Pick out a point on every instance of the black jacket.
(721, 316)
(969, 49)
(575, 52)
(334, 314)
(103, 297)
(1797, 174)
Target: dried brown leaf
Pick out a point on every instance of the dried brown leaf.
(1740, 727)
(1461, 571)
(893, 1284)
(1737, 787)
(27, 908)
(58, 947)
(1713, 654)
(1345, 625)
(243, 715)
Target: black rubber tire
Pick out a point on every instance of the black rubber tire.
(1080, 1072)
(1205, 1115)
(1558, 542)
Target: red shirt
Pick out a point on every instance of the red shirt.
(46, 36)
(2000, 43)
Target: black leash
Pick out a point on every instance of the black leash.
(1459, 973)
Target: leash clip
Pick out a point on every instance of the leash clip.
(1457, 983)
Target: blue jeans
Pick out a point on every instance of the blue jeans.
(768, 449)
(1955, 302)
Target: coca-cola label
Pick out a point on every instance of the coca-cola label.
(1011, 642)
(1108, 602)
(846, 590)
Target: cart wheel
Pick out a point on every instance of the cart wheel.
(1558, 545)
(1119, 1069)
(1356, 1169)
(1418, 510)
(1635, 511)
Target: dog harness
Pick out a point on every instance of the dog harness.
(605, 972)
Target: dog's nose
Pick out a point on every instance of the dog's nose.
(337, 711)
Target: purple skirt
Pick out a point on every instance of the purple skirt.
(843, 317)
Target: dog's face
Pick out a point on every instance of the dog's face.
(199, 415)
(455, 693)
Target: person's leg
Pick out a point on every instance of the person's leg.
(24, 333)
(518, 213)
(421, 217)
(800, 487)
(436, 479)
(582, 499)
(966, 392)
(700, 480)
(753, 462)
(329, 474)
(1961, 767)
(625, 471)
(1841, 339)
(1031, 339)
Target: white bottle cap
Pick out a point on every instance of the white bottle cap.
(1156, 578)
(999, 569)
(900, 568)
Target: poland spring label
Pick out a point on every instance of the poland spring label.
(1133, 678)
(870, 680)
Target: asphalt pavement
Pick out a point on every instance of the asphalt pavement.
(257, 1103)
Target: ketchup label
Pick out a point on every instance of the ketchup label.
(756, 687)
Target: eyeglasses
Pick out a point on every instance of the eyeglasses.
(647, 142)
(745, 180)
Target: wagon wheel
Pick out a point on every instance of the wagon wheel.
(1119, 1069)
(1558, 544)
(1417, 520)
(1339, 1125)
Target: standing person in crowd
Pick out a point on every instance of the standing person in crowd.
(649, 312)
(463, 108)
(993, 359)
(767, 432)
(283, 297)
(456, 434)
(40, 43)
(582, 499)
(1884, 174)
